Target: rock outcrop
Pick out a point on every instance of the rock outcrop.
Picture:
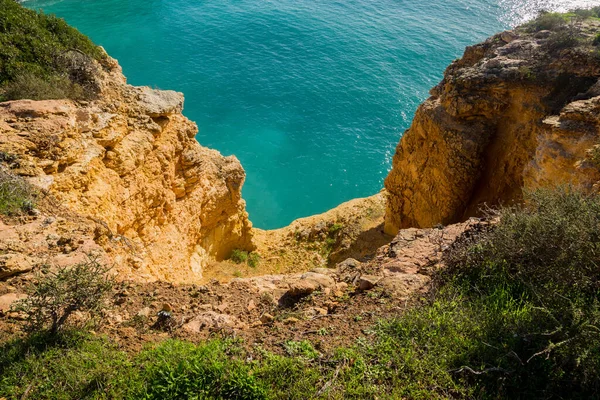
(516, 112)
(129, 161)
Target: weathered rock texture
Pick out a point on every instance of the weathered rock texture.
(129, 161)
(517, 111)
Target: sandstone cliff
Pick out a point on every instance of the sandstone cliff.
(129, 161)
(517, 111)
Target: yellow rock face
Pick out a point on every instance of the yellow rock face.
(130, 162)
(511, 115)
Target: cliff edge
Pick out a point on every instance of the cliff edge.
(129, 161)
(518, 111)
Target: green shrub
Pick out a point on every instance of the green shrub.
(253, 260)
(531, 285)
(303, 349)
(39, 47)
(561, 40)
(335, 228)
(16, 195)
(553, 242)
(548, 21)
(239, 256)
(27, 85)
(55, 296)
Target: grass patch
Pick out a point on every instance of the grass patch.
(16, 195)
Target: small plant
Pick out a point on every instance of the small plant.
(16, 195)
(323, 331)
(7, 157)
(253, 259)
(239, 256)
(303, 349)
(54, 297)
(335, 228)
(548, 21)
(527, 73)
(593, 155)
(237, 273)
(27, 85)
(561, 40)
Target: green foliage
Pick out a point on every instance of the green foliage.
(178, 370)
(27, 85)
(560, 40)
(335, 228)
(532, 283)
(516, 314)
(67, 366)
(583, 13)
(16, 195)
(41, 56)
(239, 256)
(303, 349)
(596, 41)
(548, 21)
(253, 260)
(55, 296)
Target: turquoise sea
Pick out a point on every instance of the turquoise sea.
(311, 95)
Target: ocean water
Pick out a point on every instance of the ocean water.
(311, 95)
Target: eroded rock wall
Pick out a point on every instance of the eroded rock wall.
(515, 112)
(129, 161)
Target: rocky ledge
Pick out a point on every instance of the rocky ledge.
(518, 111)
(130, 164)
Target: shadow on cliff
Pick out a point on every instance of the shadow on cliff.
(363, 247)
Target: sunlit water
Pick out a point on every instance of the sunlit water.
(311, 95)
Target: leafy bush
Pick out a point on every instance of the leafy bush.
(335, 228)
(584, 13)
(552, 243)
(239, 256)
(27, 85)
(548, 21)
(253, 260)
(44, 49)
(531, 285)
(54, 297)
(562, 40)
(16, 195)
